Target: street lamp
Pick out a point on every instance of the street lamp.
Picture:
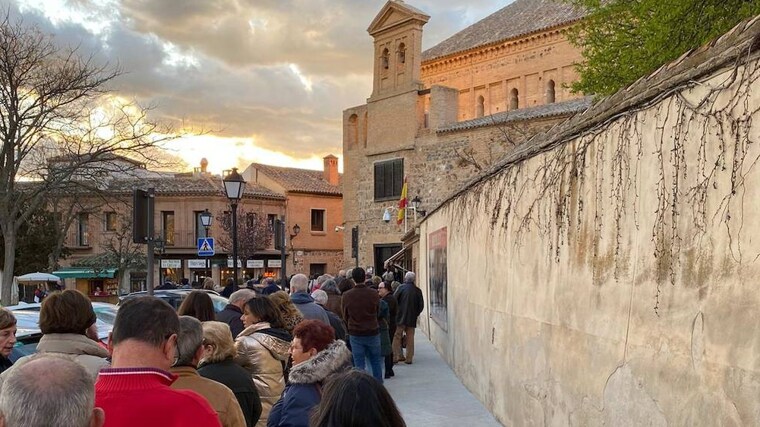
(296, 230)
(234, 184)
(206, 220)
(416, 202)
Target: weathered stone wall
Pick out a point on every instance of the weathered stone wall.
(435, 165)
(612, 280)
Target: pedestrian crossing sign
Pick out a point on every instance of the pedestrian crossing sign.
(206, 246)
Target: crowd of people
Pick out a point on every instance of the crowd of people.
(314, 356)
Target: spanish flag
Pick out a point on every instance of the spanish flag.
(402, 204)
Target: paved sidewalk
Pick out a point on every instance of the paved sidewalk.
(429, 394)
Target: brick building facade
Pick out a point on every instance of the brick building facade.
(440, 116)
(314, 205)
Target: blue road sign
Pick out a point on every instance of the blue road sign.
(206, 246)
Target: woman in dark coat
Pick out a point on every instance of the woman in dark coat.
(218, 364)
(317, 356)
(333, 297)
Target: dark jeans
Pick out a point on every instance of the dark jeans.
(368, 347)
(389, 364)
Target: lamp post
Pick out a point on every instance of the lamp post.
(415, 204)
(206, 220)
(296, 230)
(234, 184)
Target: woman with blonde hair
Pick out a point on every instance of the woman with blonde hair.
(218, 364)
(208, 283)
(290, 314)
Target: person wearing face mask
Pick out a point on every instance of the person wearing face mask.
(317, 356)
(7, 338)
(263, 346)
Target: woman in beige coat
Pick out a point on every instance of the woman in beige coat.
(65, 318)
(263, 346)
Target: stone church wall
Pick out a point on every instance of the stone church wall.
(612, 278)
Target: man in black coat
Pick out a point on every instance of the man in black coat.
(234, 310)
(384, 289)
(410, 305)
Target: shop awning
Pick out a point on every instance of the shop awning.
(86, 273)
(396, 258)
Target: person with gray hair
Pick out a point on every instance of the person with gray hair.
(190, 351)
(234, 310)
(299, 284)
(410, 305)
(321, 298)
(49, 391)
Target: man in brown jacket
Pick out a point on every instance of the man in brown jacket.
(360, 307)
(190, 349)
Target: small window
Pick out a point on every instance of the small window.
(514, 103)
(550, 92)
(317, 220)
(384, 59)
(270, 222)
(167, 224)
(353, 129)
(250, 219)
(110, 221)
(481, 106)
(389, 178)
(83, 229)
(402, 53)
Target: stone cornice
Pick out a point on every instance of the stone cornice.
(494, 50)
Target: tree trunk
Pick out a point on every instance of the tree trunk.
(6, 294)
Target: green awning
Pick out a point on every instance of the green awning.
(86, 273)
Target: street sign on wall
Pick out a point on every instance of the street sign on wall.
(196, 263)
(254, 263)
(171, 263)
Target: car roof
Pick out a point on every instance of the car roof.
(168, 292)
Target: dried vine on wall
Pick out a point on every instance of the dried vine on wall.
(551, 198)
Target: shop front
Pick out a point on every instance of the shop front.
(98, 284)
(256, 269)
(200, 269)
(170, 271)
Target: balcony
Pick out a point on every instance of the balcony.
(180, 239)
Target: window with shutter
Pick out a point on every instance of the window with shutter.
(389, 178)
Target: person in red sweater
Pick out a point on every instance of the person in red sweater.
(135, 390)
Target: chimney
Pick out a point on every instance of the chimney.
(331, 169)
(204, 165)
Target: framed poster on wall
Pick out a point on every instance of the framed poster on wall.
(437, 277)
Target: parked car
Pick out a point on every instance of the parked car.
(175, 297)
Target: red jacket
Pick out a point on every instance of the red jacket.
(142, 397)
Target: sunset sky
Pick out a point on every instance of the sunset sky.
(267, 79)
